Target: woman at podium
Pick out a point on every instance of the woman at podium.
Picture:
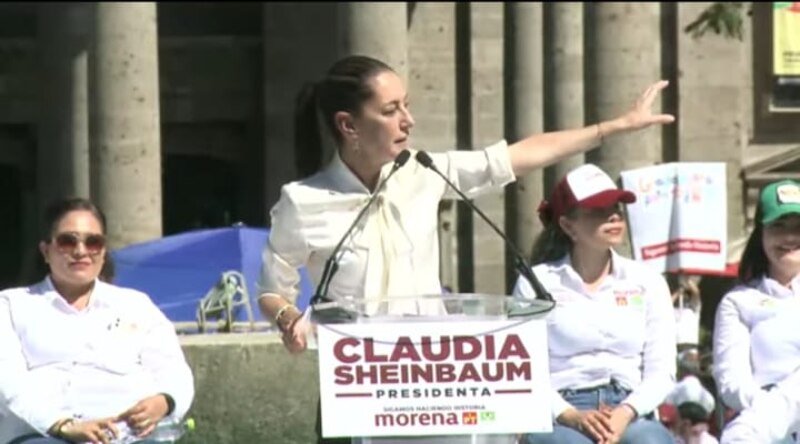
(381, 227)
(611, 335)
(365, 115)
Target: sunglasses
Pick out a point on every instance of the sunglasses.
(68, 242)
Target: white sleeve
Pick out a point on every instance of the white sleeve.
(284, 253)
(732, 370)
(660, 348)
(163, 358)
(476, 172)
(523, 290)
(18, 390)
(558, 404)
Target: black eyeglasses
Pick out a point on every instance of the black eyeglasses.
(68, 242)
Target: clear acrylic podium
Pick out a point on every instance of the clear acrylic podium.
(441, 308)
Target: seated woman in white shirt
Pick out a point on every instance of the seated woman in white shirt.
(82, 360)
(611, 336)
(756, 338)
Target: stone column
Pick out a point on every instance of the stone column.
(125, 121)
(432, 88)
(285, 35)
(713, 125)
(563, 79)
(375, 29)
(624, 46)
(524, 108)
(63, 130)
(486, 126)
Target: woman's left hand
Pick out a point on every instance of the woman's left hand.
(641, 115)
(144, 416)
(619, 418)
(294, 337)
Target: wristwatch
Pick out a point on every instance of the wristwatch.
(170, 403)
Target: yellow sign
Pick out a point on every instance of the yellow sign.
(786, 38)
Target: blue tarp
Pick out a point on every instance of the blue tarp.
(177, 271)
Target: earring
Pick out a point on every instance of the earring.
(357, 147)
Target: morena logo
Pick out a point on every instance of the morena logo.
(412, 419)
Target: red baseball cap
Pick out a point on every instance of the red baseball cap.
(586, 186)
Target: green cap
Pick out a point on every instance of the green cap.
(779, 199)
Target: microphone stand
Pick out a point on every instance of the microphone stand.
(520, 264)
(332, 264)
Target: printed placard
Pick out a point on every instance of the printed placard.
(679, 220)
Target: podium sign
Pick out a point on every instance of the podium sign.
(454, 377)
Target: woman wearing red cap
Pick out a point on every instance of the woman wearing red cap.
(611, 337)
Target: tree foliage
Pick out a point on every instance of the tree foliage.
(721, 18)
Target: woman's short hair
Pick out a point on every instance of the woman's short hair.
(56, 211)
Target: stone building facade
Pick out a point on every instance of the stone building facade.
(175, 116)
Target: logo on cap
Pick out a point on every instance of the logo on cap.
(589, 180)
(788, 193)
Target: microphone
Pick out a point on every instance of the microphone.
(520, 264)
(332, 264)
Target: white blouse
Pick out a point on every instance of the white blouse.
(394, 251)
(625, 331)
(756, 339)
(57, 362)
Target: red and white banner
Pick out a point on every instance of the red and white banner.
(434, 378)
(679, 220)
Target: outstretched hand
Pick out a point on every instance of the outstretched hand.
(641, 115)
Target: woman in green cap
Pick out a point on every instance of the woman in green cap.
(756, 339)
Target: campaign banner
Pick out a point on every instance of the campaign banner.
(786, 38)
(434, 378)
(679, 220)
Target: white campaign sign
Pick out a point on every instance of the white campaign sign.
(679, 220)
(434, 378)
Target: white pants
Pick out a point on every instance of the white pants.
(771, 419)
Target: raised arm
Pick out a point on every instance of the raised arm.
(540, 150)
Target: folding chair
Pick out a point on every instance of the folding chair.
(222, 299)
